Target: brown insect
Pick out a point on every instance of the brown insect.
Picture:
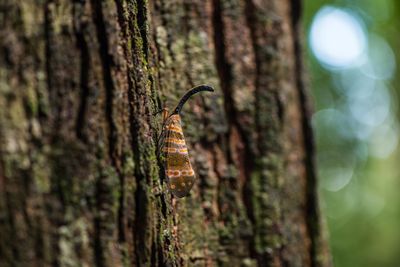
(178, 170)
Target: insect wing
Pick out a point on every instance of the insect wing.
(177, 164)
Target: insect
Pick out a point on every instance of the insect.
(172, 144)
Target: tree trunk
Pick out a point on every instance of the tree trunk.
(80, 182)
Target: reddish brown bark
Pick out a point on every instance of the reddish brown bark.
(80, 182)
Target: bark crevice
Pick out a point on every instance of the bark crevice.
(312, 208)
(84, 78)
(142, 24)
(106, 61)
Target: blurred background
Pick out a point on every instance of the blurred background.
(353, 57)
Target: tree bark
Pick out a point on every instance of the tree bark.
(80, 182)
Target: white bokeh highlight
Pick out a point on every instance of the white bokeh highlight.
(337, 38)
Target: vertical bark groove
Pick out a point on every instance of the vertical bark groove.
(98, 19)
(142, 24)
(314, 222)
(84, 77)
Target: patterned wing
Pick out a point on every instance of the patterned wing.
(177, 164)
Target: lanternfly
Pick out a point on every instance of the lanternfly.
(178, 170)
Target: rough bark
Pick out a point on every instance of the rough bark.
(80, 183)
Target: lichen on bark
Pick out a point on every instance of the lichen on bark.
(80, 181)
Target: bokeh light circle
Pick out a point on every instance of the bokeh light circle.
(337, 38)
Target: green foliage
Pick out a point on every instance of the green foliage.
(358, 185)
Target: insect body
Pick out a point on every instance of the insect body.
(178, 170)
